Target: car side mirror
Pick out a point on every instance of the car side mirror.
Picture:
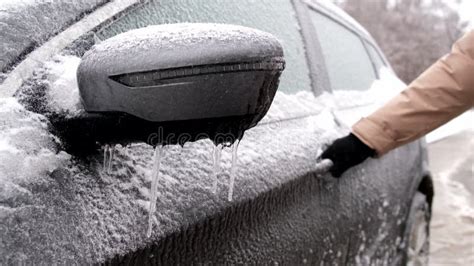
(195, 79)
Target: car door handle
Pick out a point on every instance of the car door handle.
(323, 166)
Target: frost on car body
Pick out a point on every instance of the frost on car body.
(184, 185)
(122, 199)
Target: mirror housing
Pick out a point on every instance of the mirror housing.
(178, 72)
(187, 78)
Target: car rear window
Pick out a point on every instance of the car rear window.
(277, 17)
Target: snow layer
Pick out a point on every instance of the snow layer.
(178, 45)
(63, 93)
(27, 148)
(181, 34)
(27, 154)
(53, 88)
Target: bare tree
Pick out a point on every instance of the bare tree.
(412, 33)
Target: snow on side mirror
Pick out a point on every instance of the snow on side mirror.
(192, 80)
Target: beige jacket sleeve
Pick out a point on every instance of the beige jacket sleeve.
(441, 93)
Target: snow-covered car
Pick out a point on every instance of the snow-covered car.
(270, 201)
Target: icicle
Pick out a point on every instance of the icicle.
(97, 40)
(111, 159)
(106, 150)
(216, 158)
(232, 170)
(154, 187)
(323, 166)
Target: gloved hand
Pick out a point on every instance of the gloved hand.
(345, 153)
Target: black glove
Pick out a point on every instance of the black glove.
(345, 153)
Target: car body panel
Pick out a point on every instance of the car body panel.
(78, 213)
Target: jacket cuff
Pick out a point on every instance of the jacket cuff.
(373, 135)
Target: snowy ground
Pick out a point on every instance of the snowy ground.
(451, 162)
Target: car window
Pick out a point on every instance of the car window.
(24, 25)
(277, 17)
(348, 64)
(375, 55)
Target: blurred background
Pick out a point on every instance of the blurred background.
(414, 34)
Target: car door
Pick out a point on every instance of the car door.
(382, 189)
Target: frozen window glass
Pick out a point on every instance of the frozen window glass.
(277, 17)
(348, 64)
(25, 25)
(376, 58)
